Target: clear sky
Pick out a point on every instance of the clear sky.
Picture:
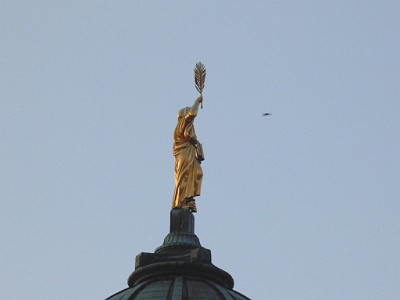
(302, 204)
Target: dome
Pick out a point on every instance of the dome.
(177, 288)
(180, 269)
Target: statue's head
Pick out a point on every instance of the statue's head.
(183, 112)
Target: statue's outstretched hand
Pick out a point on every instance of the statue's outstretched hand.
(199, 99)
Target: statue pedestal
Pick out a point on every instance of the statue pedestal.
(181, 234)
(181, 220)
(181, 254)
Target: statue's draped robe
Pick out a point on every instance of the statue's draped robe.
(188, 172)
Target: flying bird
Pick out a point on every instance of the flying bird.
(265, 114)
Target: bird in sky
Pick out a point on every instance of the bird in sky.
(265, 114)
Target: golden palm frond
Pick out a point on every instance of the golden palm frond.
(199, 77)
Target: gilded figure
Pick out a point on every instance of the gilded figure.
(188, 155)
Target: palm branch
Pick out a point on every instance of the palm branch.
(199, 77)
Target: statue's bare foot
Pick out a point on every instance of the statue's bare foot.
(191, 204)
(193, 208)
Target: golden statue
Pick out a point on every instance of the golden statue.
(188, 151)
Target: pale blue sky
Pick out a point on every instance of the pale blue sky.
(303, 204)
